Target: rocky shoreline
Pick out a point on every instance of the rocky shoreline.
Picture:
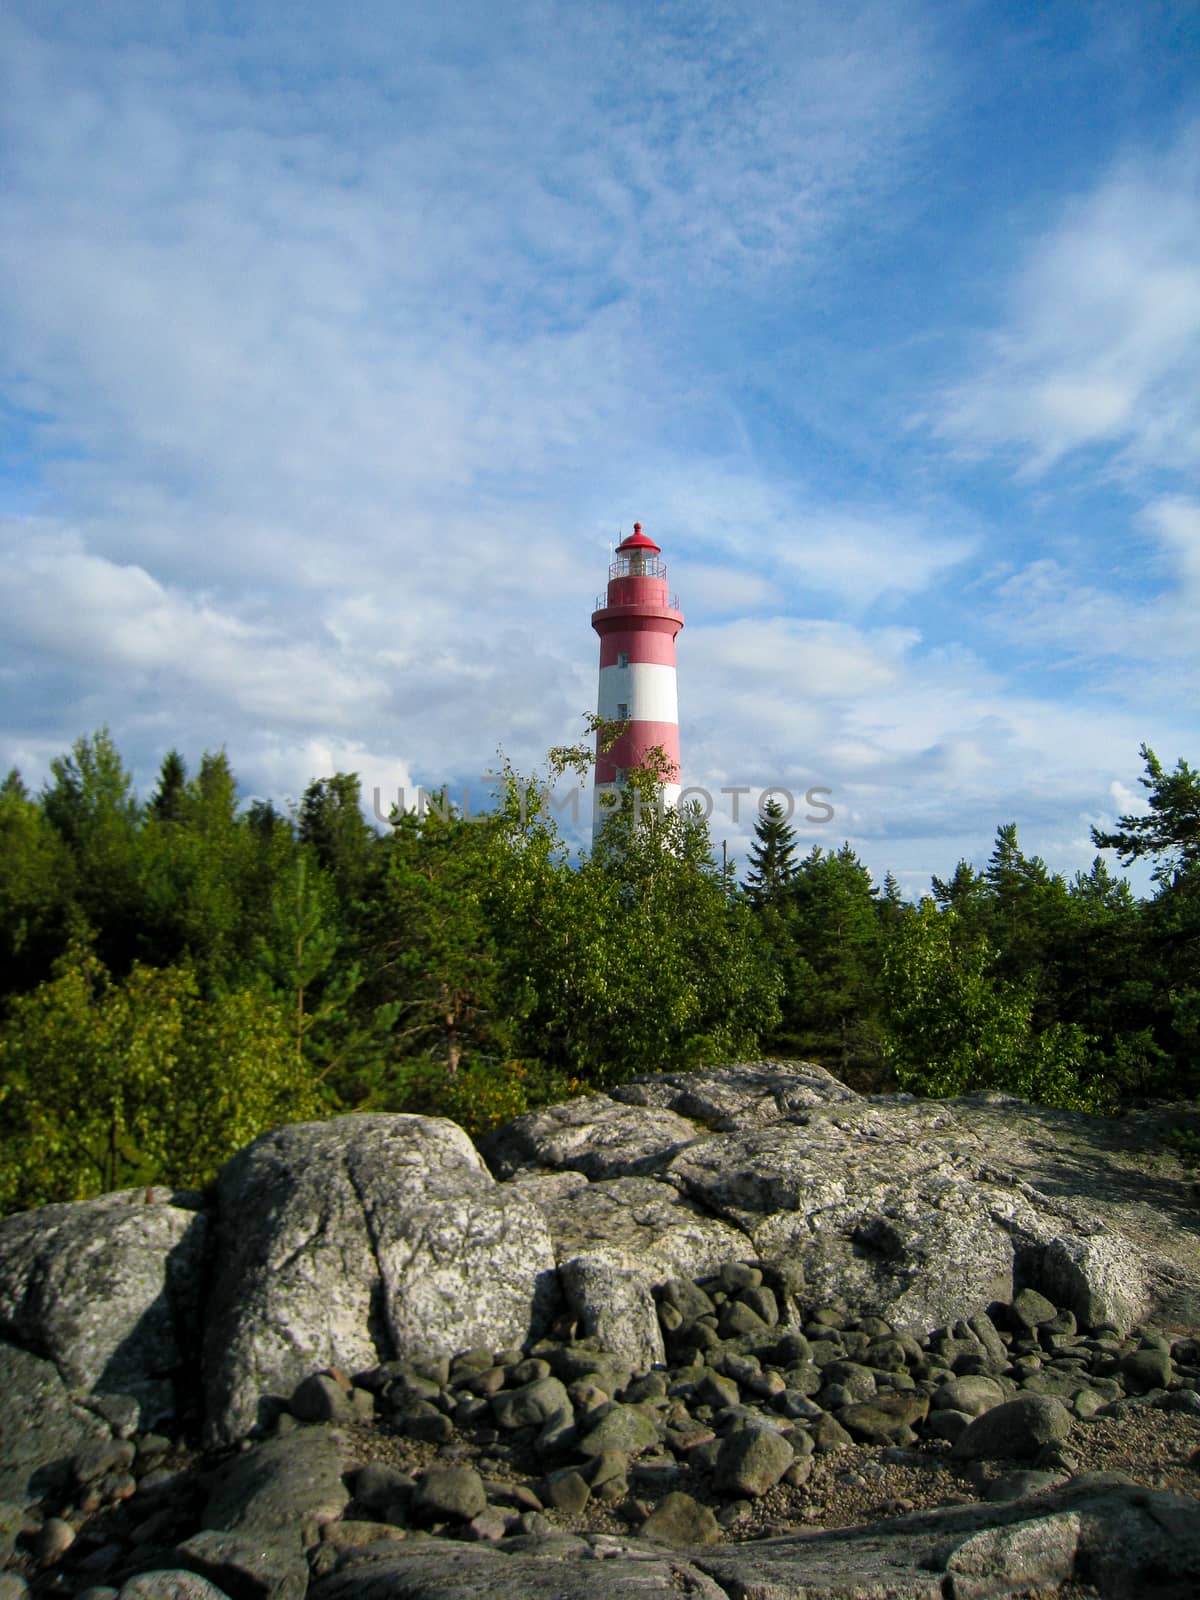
(735, 1431)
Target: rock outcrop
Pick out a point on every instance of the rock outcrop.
(342, 1243)
(585, 1364)
(921, 1211)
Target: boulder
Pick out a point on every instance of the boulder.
(41, 1427)
(682, 1522)
(752, 1094)
(612, 1302)
(921, 1212)
(109, 1291)
(647, 1223)
(1015, 1430)
(352, 1241)
(281, 1490)
(596, 1135)
(877, 1216)
(751, 1460)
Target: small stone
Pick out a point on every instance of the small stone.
(799, 1472)
(973, 1394)
(715, 1391)
(434, 1429)
(1145, 1370)
(857, 1381)
(349, 1535)
(612, 1491)
(531, 1370)
(101, 1457)
(1086, 1402)
(587, 1397)
(608, 1464)
(486, 1383)
(320, 1398)
(886, 1420)
(55, 1539)
(737, 1276)
(751, 1461)
(680, 1522)
(531, 1405)
(450, 1493)
(557, 1434)
(489, 1526)
(1030, 1309)
(376, 1485)
(763, 1303)
(948, 1425)
(736, 1511)
(737, 1319)
(828, 1434)
(1017, 1429)
(171, 1584)
(624, 1428)
(568, 1491)
(1024, 1481)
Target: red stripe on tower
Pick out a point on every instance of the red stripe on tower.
(637, 621)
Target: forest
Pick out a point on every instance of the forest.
(180, 974)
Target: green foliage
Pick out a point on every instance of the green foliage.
(953, 1027)
(654, 966)
(105, 1084)
(482, 1094)
(772, 856)
(91, 806)
(36, 876)
(437, 935)
(830, 916)
(182, 973)
(1171, 831)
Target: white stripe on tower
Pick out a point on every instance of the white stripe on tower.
(644, 691)
(637, 623)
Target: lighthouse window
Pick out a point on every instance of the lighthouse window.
(623, 659)
(623, 711)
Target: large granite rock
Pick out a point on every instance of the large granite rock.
(728, 1099)
(615, 1241)
(41, 1426)
(921, 1211)
(597, 1136)
(352, 1241)
(1130, 1542)
(109, 1291)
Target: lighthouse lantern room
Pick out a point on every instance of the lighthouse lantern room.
(637, 620)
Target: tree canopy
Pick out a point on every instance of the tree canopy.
(181, 973)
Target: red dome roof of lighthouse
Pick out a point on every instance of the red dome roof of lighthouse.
(637, 540)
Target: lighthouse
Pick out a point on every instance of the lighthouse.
(637, 620)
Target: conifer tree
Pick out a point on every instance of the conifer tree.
(772, 855)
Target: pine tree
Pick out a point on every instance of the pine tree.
(772, 856)
(166, 803)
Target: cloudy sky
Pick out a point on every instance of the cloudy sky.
(338, 345)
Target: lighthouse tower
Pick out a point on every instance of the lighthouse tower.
(637, 621)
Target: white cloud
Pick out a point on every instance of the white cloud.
(1137, 646)
(1176, 521)
(344, 344)
(1102, 342)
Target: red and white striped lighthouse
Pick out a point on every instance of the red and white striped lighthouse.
(637, 621)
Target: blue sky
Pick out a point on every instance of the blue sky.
(337, 345)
